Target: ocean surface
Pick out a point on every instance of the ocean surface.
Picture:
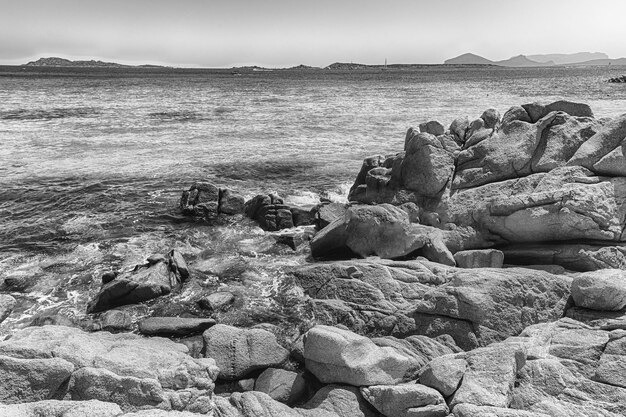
(93, 162)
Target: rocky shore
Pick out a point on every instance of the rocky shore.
(478, 272)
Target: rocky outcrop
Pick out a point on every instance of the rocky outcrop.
(475, 306)
(208, 201)
(132, 371)
(547, 181)
(159, 276)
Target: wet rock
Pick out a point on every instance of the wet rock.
(294, 238)
(218, 301)
(486, 258)
(433, 127)
(238, 352)
(230, 202)
(604, 289)
(338, 400)
(202, 199)
(143, 283)
(57, 408)
(406, 400)
(281, 385)
(270, 212)
(303, 216)
(26, 380)
(358, 189)
(334, 355)
(174, 326)
(7, 303)
(154, 370)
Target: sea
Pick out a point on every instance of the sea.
(93, 162)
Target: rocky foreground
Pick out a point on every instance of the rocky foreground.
(479, 272)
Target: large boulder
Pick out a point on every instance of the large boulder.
(426, 167)
(382, 230)
(238, 352)
(613, 163)
(600, 290)
(159, 276)
(155, 372)
(334, 355)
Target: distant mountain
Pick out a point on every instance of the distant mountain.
(468, 59)
(564, 59)
(62, 62)
(600, 62)
(521, 61)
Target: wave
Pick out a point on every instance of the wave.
(177, 116)
(48, 114)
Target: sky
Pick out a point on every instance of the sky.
(283, 33)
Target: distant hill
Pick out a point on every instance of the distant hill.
(564, 59)
(62, 62)
(468, 59)
(521, 61)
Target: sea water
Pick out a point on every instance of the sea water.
(93, 161)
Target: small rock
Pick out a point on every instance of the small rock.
(444, 374)
(218, 301)
(115, 320)
(486, 258)
(491, 118)
(433, 127)
(284, 386)
(327, 213)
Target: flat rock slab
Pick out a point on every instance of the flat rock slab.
(174, 326)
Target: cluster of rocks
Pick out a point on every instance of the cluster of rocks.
(480, 272)
(545, 184)
(621, 79)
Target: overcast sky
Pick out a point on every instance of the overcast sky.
(279, 33)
